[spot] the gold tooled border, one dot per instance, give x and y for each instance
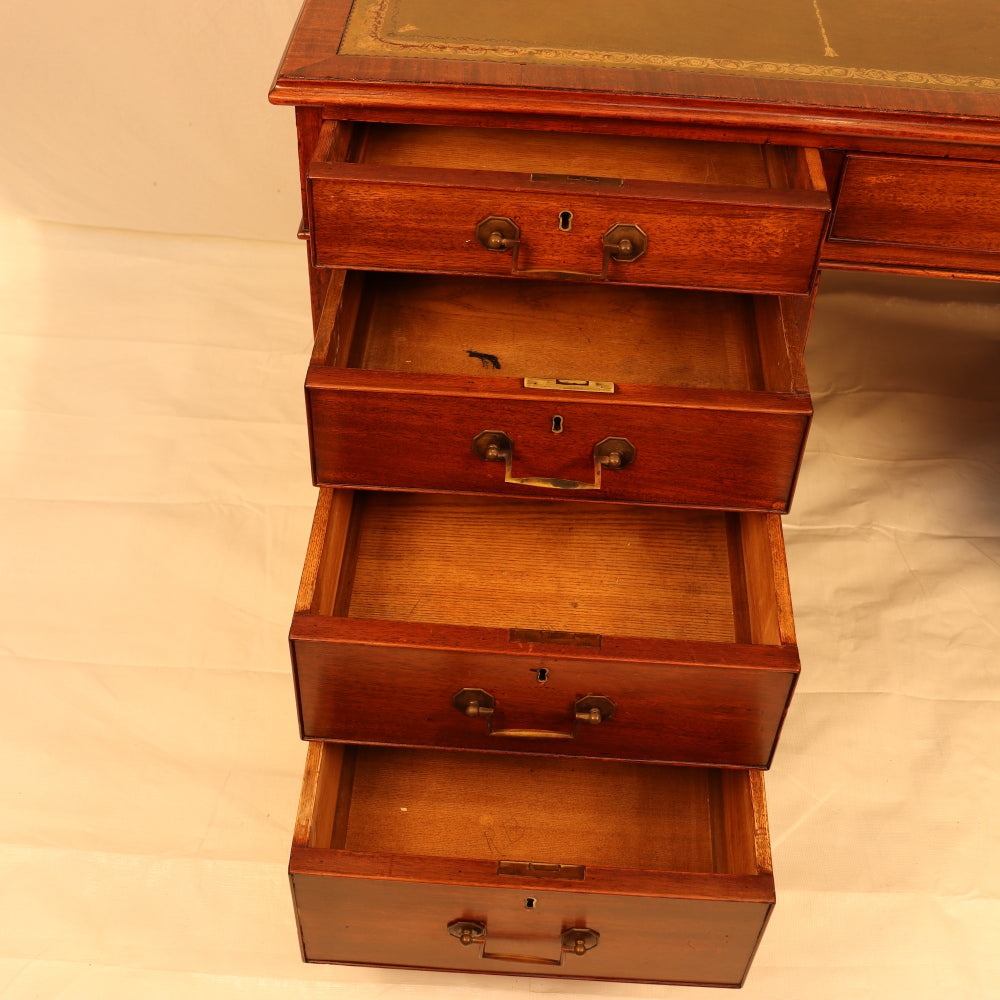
(364, 35)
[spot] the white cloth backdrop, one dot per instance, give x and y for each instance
(154, 506)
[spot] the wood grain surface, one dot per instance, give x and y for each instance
(697, 651)
(929, 215)
(709, 388)
(642, 336)
(545, 810)
(647, 571)
(744, 224)
(580, 153)
(679, 921)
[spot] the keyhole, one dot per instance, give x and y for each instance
(543, 674)
(565, 221)
(557, 424)
(529, 903)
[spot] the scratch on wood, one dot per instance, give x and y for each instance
(828, 48)
(487, 359)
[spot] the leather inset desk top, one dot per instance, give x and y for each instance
(905, 43)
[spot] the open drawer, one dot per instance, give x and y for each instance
(627, 632)
(559, 390)
(545, 204)
(528, 866)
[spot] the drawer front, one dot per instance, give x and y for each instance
(636, 633)
(929, 214)
(365, 921)
(539, 695)
(734, 450)
(410, 219)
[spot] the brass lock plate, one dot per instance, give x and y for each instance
(579, 179)
(569, 384)
(535, 869)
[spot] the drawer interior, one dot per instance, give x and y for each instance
(547, 811)
(575, 155)
(493, 327)
(652, 572)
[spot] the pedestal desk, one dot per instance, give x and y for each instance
(562, 259)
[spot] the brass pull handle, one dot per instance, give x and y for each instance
(496, 446)
(622, 243)
(573, 941)
(478, 704)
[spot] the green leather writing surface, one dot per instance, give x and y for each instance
(901, 43)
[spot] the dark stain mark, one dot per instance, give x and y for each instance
(486, 359)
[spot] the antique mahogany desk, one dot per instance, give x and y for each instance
(562, 260)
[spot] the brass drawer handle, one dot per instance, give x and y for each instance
(622, 243)
(573, 941)
(496, 446)
(478, 704)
